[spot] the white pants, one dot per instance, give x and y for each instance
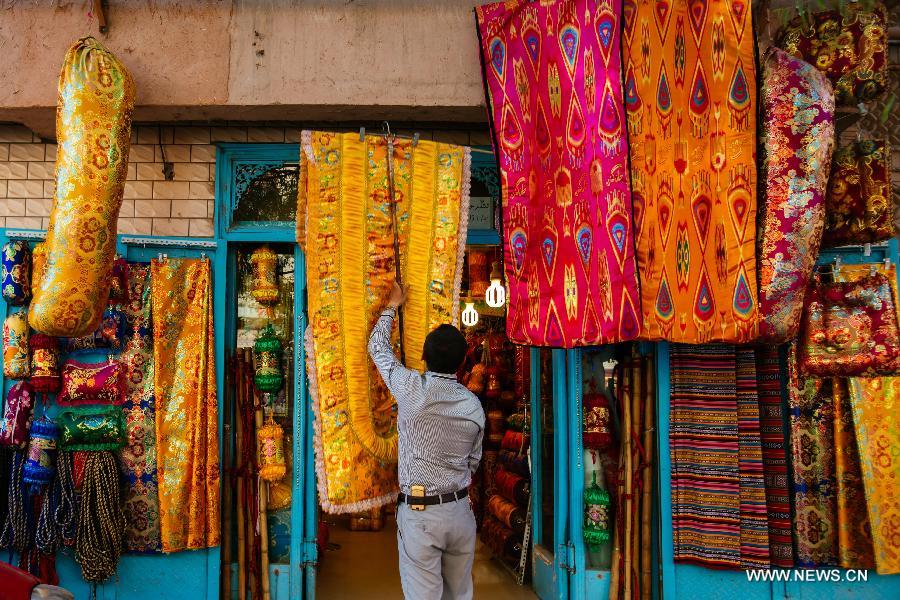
(437, 547)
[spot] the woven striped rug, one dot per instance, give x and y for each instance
(754, 519)
(704, 444)
(774, 454)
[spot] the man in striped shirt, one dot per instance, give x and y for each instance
(441, 426)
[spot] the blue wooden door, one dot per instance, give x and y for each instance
(549, 477)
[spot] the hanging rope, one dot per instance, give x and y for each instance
(47, 539)
(15, 530)
(67, 508)
(101, 522)
(6, 455)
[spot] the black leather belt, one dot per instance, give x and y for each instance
(431, 500)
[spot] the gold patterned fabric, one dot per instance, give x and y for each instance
(93, 131)
(347, 233)
(876, 405)
(184, 386)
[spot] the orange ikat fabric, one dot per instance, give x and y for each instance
(690, 98)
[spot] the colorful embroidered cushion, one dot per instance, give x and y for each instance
(797, 140)
(851, 49)
(16, 275)
(16, 364)
(850, 326)
(860, 201)
(44, 363)
(38, 264)
(110, 335)
(91, 383)
(19, 412)
(91, 428)
(553, 73)
(96, 99)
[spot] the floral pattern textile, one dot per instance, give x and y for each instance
(138, 457)
(860, 200)
(851, 49)
(690, 96)
(854, 532)
(553, 73)
(19, 413)
(797, 140)
(876, 405)
(184, 391)
(16, 362)
(15, 278)
(91, 428)
(109, 336)
(812, 461)
(84, 383)
(348, 238)
(850, 326)
(93, 130)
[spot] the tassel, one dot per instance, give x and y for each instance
(65, 513)
(15, 530)
(101, 522)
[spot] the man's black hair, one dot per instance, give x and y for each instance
(445, 349)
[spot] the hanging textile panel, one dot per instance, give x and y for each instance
(348, 239)
(797, 140)
(704, 443)
(774, 453)
(811, 404)
(138, 457)
(690, 95)
(552, 72)
(184, 391)
(854, 532)
(754, 520)
(875, 404)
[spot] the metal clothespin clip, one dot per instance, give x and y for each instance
(362, 134)
(159, 257)
(887, 263)
(203, 255)
(867, 250)
(837, 264)
(415, 141)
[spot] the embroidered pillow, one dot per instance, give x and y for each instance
(91, 428)
(797, 140)
(91, 383)
(851, 50)
(16, 275)
(16, 363)
(19, 412)
(110, 335)
(860, 201)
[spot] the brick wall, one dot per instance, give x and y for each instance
(151, 205)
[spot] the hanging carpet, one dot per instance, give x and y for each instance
(553, 72)
(184, 389)
(347, 235)
(690, 98)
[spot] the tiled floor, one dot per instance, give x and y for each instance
(365, 567)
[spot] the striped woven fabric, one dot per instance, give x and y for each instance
(703, 437)
(774, 455)
(754, 520)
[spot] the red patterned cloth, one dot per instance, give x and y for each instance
(860, 201)
(797, 140)
(851, 49)
(553, 73)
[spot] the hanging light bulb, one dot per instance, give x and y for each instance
(495, 296)
(469, 314)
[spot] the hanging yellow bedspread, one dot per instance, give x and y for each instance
(345, 226)
(187, 416)
(876, 404)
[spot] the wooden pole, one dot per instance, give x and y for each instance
(263, 501)
(646, 506)
(616, 559)
(637, 460)
(239, 445)
(626, 440)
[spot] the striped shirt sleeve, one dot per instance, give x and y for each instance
(398, 378)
